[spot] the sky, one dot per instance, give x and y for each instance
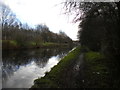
(49, 12)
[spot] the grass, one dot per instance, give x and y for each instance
(96, 71)
(9, 44)
(12, 44)
(48, 43)
(51, 44)
(93, 56)
(32, 43)
(55, 78)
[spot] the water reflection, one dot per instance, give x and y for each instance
(21, 68)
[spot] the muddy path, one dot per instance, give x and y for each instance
(71, 76)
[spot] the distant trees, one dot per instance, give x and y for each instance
(23, 36)
(13, 29)
(63, 37)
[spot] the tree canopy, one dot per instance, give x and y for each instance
(99, 28)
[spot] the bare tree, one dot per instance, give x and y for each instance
(7, 15)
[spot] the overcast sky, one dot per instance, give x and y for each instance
(47, 12)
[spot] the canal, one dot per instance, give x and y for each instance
(21, 67)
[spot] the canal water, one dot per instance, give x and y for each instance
(20, 68)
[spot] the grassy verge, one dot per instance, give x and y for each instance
(99, 71)
(12, 44)
(96, 70)
(50, 44)
(9, 44)
(56, 77)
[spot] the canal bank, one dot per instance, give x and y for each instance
(14, 45)
(81, 68)
(60, 75)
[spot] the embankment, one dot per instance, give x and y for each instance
(60, 74)
(81, 68)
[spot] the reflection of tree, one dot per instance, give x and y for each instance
(12, 60)
(8, 70)
(41, 62)
(41, 59)
(62, 55)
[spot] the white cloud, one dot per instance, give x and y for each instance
(44, 11)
